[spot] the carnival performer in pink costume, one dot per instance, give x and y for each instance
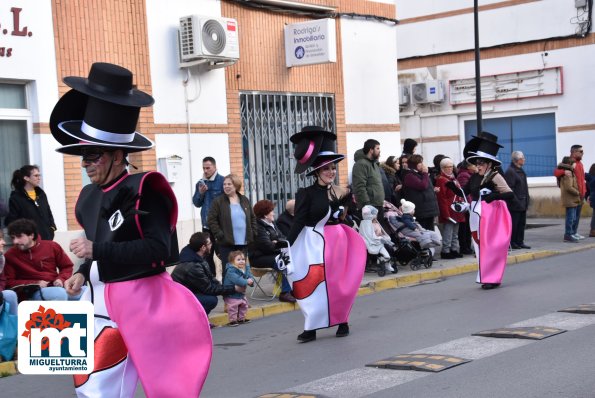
(328, 257)
(489, 219)
(146, 325)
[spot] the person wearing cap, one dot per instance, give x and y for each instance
(129, 222)
(328, 257)
(409, 146)
(488, 190)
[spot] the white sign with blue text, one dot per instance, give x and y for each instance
(309, 43)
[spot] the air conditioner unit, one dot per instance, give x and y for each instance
(427, 92)
(403, 95)
(208, 38)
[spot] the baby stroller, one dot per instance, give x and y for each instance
(408, 250)
(378, 243)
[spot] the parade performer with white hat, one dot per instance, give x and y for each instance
(489, 219)
(328, 257)
(146, 325)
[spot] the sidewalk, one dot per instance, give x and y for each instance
(544, 235)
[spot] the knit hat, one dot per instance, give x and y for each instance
(407, 207)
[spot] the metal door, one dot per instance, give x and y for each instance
(268, 120)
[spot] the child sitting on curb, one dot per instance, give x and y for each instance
(237, 272)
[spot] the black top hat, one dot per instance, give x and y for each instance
(308, 143)
(483, 146)
(101, 110)
(326, 155)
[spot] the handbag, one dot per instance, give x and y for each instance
(8, 332)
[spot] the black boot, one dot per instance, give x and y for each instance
(343, 330)
(307, 335)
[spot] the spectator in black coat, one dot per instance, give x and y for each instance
(194, 272)
(517, 181)
(418, 188)
(285, 220)
(29, 201)
(264, 249)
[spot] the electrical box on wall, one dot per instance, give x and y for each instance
(170, 167)
(580, 3)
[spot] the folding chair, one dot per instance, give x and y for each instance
(259, 273)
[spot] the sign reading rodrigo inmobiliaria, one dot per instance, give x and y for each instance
(308, 43)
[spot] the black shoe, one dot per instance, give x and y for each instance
(307, 336)
(489, 286)
(456, 254)
(524, 246)
(467, 251)
(244, 321)
(447, 256)
(514, 246)
(343, 330)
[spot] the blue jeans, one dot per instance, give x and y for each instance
(11, 298)
(577, 217)
(571, 221)
(55, 293)
(207, 302)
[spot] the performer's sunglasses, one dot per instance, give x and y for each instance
(92, 156)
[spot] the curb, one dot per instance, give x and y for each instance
(398, 281)
(10, 368)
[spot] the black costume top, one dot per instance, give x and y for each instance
(131, 222)
(312, 205)
(20, 205)
(478, 182)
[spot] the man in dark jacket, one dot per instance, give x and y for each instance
(194, 272)
(365, 177)
(517, 181)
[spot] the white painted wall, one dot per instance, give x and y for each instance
(390, 145)
(201, 145)
(33, 58)
(369, 72)
(206, 88)
(523, 22)
(417, 8)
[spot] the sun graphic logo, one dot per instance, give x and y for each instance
(56, 337)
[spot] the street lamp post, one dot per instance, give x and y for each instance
(477, 69)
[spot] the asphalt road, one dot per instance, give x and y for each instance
(438, 318)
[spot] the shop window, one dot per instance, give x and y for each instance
(534, 135)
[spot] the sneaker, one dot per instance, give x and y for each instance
(578, 236)
(241, 321)
(570, 238)
(233, 324)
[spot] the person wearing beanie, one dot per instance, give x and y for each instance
(406, 224)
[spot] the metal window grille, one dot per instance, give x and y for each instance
(267, 122)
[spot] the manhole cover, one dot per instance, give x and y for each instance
(580, 309)
(419, 362)
(532, 332)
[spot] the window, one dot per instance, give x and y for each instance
(14, 150)
(534, 135)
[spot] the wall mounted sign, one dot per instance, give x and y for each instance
(308, 43)
(508, 86)
(10, 25)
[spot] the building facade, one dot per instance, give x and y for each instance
(537, 58)
(242, 114)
